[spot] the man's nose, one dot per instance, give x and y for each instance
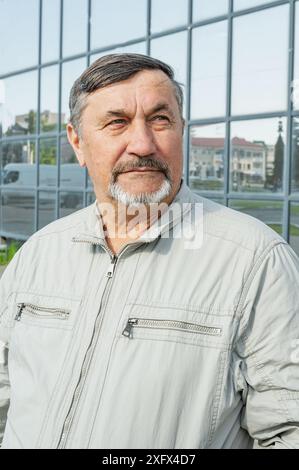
(141, 140)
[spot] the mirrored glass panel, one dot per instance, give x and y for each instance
(260, 65)
(18, 104)
(72, 175)
(46, 208)
(206, 166)
(218, 200)
(48, 162)
(18, 213)
(172, 49)
(70, 202)
(168, 14)
(19, 27)
(49, 99)
(208, 80)
(257, 155)
(295, 95)
(18, 164)
(108, 25)
(70, 72)
(74, 38)
(295, 157)
(204, 9)
(269, 212)
(50, 30)
(294, 226)
(138, 48)
(242, 4)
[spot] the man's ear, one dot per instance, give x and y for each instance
(76, 142)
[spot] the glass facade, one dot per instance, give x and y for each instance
(241, 84)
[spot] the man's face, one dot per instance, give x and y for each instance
(131, 136)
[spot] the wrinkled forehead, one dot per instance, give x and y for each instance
(145, 88)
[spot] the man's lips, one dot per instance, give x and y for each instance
(141, 170)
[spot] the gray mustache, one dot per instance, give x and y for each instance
(147, 162)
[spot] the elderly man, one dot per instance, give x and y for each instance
(120, 331)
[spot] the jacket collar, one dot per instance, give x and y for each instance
(92, 230)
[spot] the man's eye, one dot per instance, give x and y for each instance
(161, 118)
(117, 121)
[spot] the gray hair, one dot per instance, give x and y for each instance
(110, 69)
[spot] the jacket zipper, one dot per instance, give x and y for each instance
(169, 325)
(37, 311)
(88, 357)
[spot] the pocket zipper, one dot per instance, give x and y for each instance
(45, 312)
(169, 325)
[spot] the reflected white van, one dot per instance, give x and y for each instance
(23, 175)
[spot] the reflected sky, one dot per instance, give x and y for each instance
(260, 65)
(138, 48)
(50, 30)
(19, 96)
(177, 14)
(70, 72)
(172, 49)
(18, 36)
(209, 59)
(74, 27)
(204, 9)
(242, 4)
(49, 98)
(108, 25)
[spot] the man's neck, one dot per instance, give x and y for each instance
(125, 224)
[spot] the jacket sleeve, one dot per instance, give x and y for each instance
(7, 288)
(268, 346)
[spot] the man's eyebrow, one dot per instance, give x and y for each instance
(162, 107)
(121, 112)
(114, 113)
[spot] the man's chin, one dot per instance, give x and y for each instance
(145, 194)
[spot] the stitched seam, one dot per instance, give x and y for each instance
(247, 283)
(72, 299)
(221, 237)
(224, 347)
(217, 396)
(191, 308)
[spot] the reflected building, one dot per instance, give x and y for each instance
(206, 157)
(248, 162)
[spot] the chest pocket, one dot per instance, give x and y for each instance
(45, 311)
(178, 325)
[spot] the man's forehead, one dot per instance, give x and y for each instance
(145, 84)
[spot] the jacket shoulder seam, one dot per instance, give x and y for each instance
(253, 271)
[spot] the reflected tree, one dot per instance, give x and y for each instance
(278, 160)
(47, 153)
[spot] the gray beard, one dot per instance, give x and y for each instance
(117, 193)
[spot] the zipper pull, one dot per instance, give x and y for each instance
(111, 267)
(19, 313)
(128, 329)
